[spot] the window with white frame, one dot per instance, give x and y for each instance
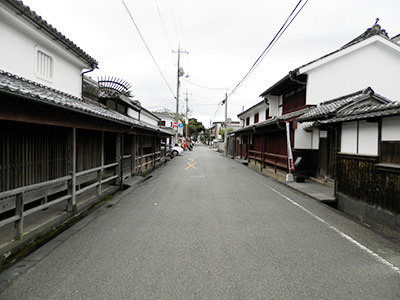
(44, 68)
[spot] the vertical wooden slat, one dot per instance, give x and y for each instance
(118, 158)
(19, 211)
(72, 165)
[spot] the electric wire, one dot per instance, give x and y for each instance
(163, 24)
(283, 31)
(174, 21)
(277, 36)
(203, 87)
(283, 28)
(148, 49)
(180, 22)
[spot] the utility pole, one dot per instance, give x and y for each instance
(179, 74)
(186, 114)
(226, 126)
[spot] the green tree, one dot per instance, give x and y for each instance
(194, 128)
(205, 137)
(222, 132)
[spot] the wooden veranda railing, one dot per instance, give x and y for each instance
(14, 203)
(147, 161)
(276, 160)
(51, 193)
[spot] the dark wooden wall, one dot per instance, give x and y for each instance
(31, 153)
(361, 178)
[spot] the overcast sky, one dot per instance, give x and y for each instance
(223, 37)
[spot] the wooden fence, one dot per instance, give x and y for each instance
(275, 160)
(365, 179)
(18, 203)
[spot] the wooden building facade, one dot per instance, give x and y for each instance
(55, 148)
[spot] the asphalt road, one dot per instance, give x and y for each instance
(207, 227)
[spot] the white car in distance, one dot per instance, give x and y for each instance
(175, 150)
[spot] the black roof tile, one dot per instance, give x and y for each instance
(18, 86)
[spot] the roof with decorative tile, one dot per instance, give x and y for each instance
(298, 76)
(374, 31)
(331, 108)
(20, 87)
(24, 11)
(367, 112)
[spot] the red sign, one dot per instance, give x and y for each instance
(175, 124)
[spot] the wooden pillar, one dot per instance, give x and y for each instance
(19, 211)
(134, 149)
(71, 206)
(154, 152)
(141, 152)
(118, 154)
(100, 172)
(262, 152)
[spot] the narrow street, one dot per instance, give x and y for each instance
(207, 227)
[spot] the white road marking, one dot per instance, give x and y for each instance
(341, 233)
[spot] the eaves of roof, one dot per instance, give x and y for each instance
(331, 108)
(350, 47)
(24, 11)
(287, 83)
(298, 76)
(249, 109)
(368, 112)
(274, 120)
(20, 87)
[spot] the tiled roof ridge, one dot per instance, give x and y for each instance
(370, 32)
(30, 89)
(45, 87)
(370, 108)
(332, 107)
(366, 91)
(376, 29)
(34, 17)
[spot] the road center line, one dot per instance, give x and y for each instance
(341, 233)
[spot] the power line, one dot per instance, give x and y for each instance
(174, 21)
(163, 23)
(180, 22)
(204, 87)
(277, 36)
(283, 31)
(148, 49)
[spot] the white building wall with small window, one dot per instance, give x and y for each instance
(360, 137)
(30, 54)
(260, 109)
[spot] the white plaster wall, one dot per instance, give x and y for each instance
(148, 118)
(391, 129)
(260, 108)
(133, 113)
(374, 65)
(368, 138)
(302, 138)
(274, 102)
(349, 137)
(19, 43)
(315, 139)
